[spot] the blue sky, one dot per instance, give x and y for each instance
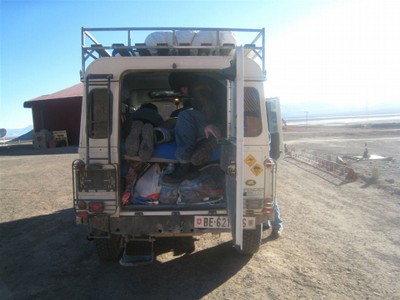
(333, 52)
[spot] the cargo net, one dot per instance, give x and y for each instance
(333, 169)
(111, 42)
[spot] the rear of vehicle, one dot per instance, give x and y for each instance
(123, 76)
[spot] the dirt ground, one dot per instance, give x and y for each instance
(340, 241)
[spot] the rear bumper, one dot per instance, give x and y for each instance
(155, 226)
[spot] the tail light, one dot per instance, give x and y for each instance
(267, 210)
(82, 205)
(268, 205)
(269, 163)
(82, 214)
(96, 207)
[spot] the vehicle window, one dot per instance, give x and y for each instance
(99, 111)
(252, 114)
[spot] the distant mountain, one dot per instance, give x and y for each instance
(25, 137)
(318, 110)
(19, 131)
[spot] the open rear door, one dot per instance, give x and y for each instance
(232, 161)
(275, 127)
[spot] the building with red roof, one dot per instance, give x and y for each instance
(58, 111)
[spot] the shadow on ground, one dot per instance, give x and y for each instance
(48, 257)
(28, 149)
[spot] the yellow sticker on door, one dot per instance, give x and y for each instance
(250, 160)
(257, 169)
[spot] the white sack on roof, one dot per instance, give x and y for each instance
(181, 37)
(184, 36)
(210, 37)
(155, 38)
(190, 37)
(225, 37)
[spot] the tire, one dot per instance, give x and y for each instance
(187, 244)
(251, 240)
(108, 249)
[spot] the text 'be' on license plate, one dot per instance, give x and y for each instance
(221, 222)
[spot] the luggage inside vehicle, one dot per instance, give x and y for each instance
(149, 189)
(207, 188)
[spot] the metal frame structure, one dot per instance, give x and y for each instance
(93, 49)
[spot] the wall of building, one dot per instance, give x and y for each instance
(58, 114)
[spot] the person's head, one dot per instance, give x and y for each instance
(180, 81)
(200, 88)
(186, 103)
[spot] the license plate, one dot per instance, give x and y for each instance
(221, 222)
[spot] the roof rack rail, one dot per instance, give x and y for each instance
(176, 41)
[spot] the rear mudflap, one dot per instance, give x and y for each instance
(138, 252)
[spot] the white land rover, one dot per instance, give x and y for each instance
(122, 199)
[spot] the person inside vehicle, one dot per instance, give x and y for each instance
(140, 140)
(186, 104)
(198, 129)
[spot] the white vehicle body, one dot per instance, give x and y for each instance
(130, 76)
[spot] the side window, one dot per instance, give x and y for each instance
(99, 112)
(252, 113)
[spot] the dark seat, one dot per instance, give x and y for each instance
(162, 51)
(184, 52)
(100, 50)
(204, 52)
(121, 51)
(141, 48)
(227, 49)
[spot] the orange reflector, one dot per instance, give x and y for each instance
(96, 206)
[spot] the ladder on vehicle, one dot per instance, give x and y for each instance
(99, 80)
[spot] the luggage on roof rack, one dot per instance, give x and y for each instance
(167, 41)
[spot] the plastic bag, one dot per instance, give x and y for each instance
(148, 186)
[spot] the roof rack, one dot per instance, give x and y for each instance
(170, 41)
